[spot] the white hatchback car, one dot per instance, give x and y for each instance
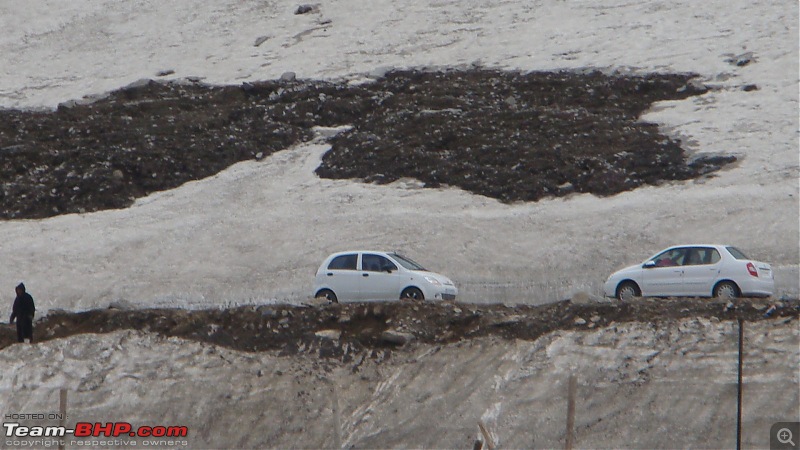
(378, 276)
(693, 271)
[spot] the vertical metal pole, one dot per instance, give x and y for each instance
(62, 411)
(571, 412)
(739, 391)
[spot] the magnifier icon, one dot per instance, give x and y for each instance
(785, 436)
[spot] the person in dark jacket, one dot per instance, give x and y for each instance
(23, 311)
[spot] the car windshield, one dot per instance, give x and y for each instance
(405, 262)
(736, 253)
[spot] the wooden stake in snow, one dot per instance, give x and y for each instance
(62, 413)
(739, 387)
(487, 437)
(337, 421)
(571, 412)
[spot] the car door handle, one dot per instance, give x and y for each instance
(330, 274)
(364, 274)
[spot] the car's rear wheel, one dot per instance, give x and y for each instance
(627, 291)
(726, 290)
(411, 293)
(327, 294)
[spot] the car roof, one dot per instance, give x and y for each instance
(699, 245)
(347, 252)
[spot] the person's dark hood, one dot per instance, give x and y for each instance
(21, 286)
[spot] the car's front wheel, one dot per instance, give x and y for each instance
(726, 290)
(412, 293)
(327, 294)
(627, 291)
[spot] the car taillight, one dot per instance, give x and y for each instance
(752, 269)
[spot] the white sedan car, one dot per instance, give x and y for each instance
(693, 271)
(378, 276)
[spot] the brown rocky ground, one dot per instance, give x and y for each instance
(508, 135)
(347, 332)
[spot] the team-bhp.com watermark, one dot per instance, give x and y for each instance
(87, 434)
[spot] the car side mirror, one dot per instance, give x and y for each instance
(387, 269)
(649, 265)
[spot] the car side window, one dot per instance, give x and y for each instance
(736, 253)
(694, 257)
(387, 265)
(376, 263)
(344, 262)
(701, 256)
(707, 255)
(669, 258)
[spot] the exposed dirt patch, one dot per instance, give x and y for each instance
(515, 136)
(347, 332)
(510, 136)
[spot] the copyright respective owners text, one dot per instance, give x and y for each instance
(784, 436)
(48, 430)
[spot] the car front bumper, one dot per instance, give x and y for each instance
(443, 292)
(610, 288)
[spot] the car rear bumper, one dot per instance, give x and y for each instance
(757, 287)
